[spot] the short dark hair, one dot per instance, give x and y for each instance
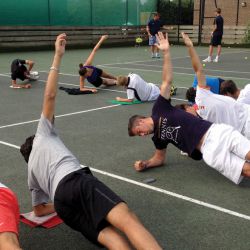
(218, 10)
(191, 94)
(82, 71)
(133, 121)
(228, 86)
(26, 148)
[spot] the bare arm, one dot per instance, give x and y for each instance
(44, 209)
(148, 31)
(30, 64)
(196, 63)
(92, 54)
(51, 85)
(21, 86)
(120, 99)
(155, 161)
(82, 86)
(167, 70)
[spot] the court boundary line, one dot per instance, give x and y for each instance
(179, 57)
(62, 115)
(159, 190)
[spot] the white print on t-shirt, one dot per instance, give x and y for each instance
(168, 132)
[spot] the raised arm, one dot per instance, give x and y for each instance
(92, 54)
(51, 85)
(196, 63)
(167, 70)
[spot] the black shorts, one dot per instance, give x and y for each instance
(83, 202)
(98, 80)
(216, 40)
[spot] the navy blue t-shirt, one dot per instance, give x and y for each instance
(176, 126)
(154, 26)
(219, 25)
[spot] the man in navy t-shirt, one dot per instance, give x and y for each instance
(216, 37)
(220, 145)
(153, 27)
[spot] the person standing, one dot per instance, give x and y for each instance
(216, 37)
(154, 25)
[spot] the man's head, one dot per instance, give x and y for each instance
(157, 16)
(26, 148)
(218, 11)
(191, 94)
(140, 125)
(188, 108)
(122, 80)
(229, 88)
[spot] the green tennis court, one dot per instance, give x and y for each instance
(189, 206)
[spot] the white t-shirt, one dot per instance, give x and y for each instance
(244, 96)
(146, 91)
(2, 186)
(221, 109)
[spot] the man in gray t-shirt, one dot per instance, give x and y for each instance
(81, 200)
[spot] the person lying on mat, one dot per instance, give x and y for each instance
(221, 146)
(20, 71)
(137, 88)
(81, 200)
(9, 219)
(94, 75)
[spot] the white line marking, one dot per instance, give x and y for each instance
(176, 73)
(160, 190)
(227, 71)
(63, 115)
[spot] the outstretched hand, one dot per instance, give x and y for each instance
(163, 43)
(187, 40)
(60, 44)
(104, 37)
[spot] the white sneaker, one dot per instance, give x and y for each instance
(157, 55)
(208, 59)
(216, 59)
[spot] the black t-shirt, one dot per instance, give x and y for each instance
(176, 126)
(154, 26)
(219, 25)
(17, 69)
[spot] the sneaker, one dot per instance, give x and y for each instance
(208, 59)
(153, 56)
(216, 59)
(157, 55)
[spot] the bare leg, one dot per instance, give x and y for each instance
(9, 241)
(127, 222)
(106, 75)
(211, 48)
(109, 82)
(111, 239)
(218, 50)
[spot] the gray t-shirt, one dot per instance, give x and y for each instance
(49, 162)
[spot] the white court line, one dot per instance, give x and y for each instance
(174, 58)
(58, 116)
(176, 73)
(226, 71)
(159, 190)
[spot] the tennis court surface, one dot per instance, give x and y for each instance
(189, 206)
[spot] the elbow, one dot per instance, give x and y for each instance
(50, 96)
